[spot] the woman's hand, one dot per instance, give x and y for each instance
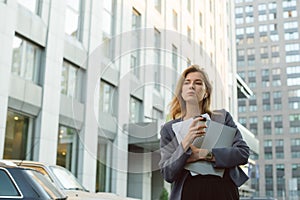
(197, 129)
(197, 154)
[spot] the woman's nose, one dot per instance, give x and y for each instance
(191, 85)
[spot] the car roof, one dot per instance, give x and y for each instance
(7, 163)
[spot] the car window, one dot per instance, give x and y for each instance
(8, 187)
(66, 178)
(40, 169)
(49, 187)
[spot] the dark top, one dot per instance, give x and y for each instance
(173, 157)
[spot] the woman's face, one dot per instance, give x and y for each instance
(193, 88)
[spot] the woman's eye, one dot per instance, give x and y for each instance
(199, 83)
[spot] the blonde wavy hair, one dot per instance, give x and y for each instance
(178, 106)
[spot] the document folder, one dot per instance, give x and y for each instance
(217, 136)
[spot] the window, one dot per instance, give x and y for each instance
(292, 47)
(267, 125)
(26, 59)
(274, 37)
(276, 72)
(290, 25)
(241, 52)
(290, 14)
(279, 148)
(294, 192)
(135, 110)
(67, 148)
(106, 100)
(157, 5)
(273, 27)
(18, 136)
(239, 10)
(250, 52)
(272, 16)
(249, 9)
(276, 82)
(175, 22)
(200, 19)
(243, 121)
(272, 5)
(103, 176)
(136, 19)
(250, 30)
(70, 80)
(249, 19)
(188, 5)
(263, 28)
(294, 99)
(239, 31)
(8, 188)
(32, 5)
(135, 55)
(157, 59)
(280, 180)
(293, 35)
(157, 114)
(294, 120)
(269, 180)
(134, 63)
(262, 17)
(268, 149)
(288, 3)
(293, 70)
(241, 109)
(278, 124)
(253, 125)
(292, 58)
(72, 20)
(201, 48)
(189, 34)
(262, 7)
(107, 16)
(293, 81)
(295, 151)
(188, 62)
(174, 65)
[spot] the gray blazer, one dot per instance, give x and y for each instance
(173, 157)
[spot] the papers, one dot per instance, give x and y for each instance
(217, 135)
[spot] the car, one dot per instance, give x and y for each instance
(67, 182)
(27, 184)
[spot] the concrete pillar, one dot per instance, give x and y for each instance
(7, 12)
(48, 118)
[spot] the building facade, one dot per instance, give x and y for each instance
(268, 59)
(86, 84)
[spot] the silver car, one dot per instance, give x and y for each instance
(67, 182)
(27, 184)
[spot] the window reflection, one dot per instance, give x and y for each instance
(67, 148)
(72, 18)
(69, 78)
(31, 5)
(135, 110)
(26, 59)
(106, 98)
(17, 136)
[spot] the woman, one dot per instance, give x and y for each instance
(193, 98)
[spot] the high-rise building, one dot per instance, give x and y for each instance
(85, 84)
(268, 60)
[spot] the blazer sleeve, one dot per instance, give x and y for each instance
(235, 155)
(173, 156)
